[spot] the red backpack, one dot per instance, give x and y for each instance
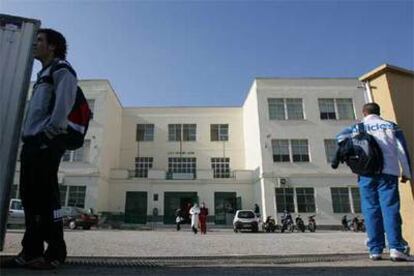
(79, 116)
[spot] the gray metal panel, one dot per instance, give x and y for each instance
(16, 39)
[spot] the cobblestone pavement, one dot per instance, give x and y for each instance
(220, 242)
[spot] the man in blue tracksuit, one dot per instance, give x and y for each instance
(43, 137)
(379, 193)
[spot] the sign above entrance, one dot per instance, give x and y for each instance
(181, 153)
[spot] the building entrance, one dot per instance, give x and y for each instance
(175, 200)
(136, 207)
(225, 206)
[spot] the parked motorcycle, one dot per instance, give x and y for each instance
(287, 224)
(300, 225)
(312, 223)
(269, 225)
(357, 225)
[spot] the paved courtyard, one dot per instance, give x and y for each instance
(220, 242)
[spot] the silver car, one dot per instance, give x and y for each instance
(16, 212)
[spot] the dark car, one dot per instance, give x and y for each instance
(74, 217)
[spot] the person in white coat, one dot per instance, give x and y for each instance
(194, 212)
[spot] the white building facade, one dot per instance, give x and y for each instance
(140, 164)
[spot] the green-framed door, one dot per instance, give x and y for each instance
(225, 205)
(136, 207)
(175, 200)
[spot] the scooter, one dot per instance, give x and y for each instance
(312, 223)
(287, 224)
(300, 225)
(269, 225)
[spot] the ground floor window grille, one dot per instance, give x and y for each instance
(182, 165)
(142, 165)
(340, 200)
(346, 200)
(63, 192)
(14, 193)
(285, 200)
(221, 167)
(305, 198)
(76, 197)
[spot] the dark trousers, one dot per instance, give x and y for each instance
(40, 196)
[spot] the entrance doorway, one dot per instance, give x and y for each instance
(225, 206)
(175, 200)
(136, 207)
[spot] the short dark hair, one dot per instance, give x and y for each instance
(371, 108)
(57, 39)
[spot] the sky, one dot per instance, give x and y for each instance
(208, 53)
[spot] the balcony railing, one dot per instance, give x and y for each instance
(165, 175)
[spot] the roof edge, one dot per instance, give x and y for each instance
(384, 68)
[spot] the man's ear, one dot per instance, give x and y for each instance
(52, 48)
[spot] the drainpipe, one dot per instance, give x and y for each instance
(368, 93)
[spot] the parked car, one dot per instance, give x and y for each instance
(245, 219)
(16, 212)
(74, 217)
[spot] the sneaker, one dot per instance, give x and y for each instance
(41, 264)
(375, 257)
(397, 256)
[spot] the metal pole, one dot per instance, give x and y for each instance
(17, 36)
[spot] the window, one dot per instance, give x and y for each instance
(189, 132)
(285, 109)
(340, 200)
(345, 109)
(221, 167)
(276, 109)
(306, 200)
(174, 132)
(280, 150)
(294, 109)
(63, 191)
(142, 164)
(182, 165)
(332, 109)
(145, 132)
(284, 200)
(79, 155)
(300, 150)
(219, 132)
(77, 196)
(14, 193)
(356, 200)
(330, 149)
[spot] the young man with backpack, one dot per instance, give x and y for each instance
(46, 132)
(378, 172)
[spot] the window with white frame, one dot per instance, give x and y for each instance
(330, 149)
(142, 165)
(76, 197)
(174, 132)
(219, 132)
(280, 149)
(305, 198)
(145, 132)
(285, 109)
(285, 200)
(189, 132)
(304, 203)
(182, 165)
(63, 190)
(221, 167)
(300, 150)
(79, 155)
(336, 109)
(340, 200)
